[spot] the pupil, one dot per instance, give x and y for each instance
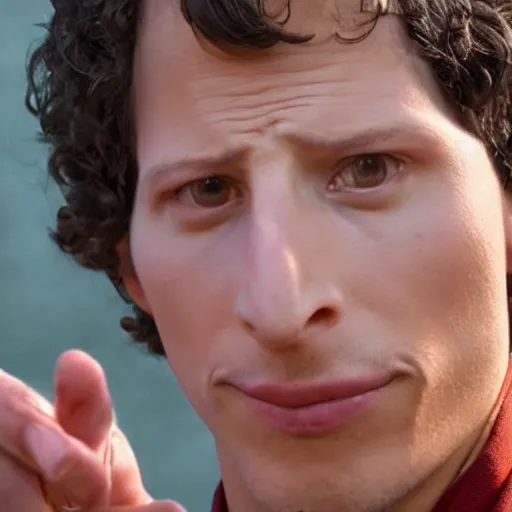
(370, 171)
(212, 187)
(369, 166)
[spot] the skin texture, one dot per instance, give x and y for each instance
(291, 273)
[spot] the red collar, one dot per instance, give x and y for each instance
(219, 500)
(487, 484)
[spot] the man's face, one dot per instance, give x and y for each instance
(315, 214)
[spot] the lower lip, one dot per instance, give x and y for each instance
(313, 420)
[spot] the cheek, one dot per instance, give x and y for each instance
(447, 301)
(455, 264)
(187, 284)
(461, 264)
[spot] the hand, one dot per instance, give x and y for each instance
(47, 453)
(155, 506)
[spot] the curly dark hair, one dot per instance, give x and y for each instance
(79, 88)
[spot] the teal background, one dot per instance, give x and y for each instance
(49, 304)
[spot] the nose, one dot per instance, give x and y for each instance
(289, 289)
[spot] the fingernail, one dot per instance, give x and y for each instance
(48, 449)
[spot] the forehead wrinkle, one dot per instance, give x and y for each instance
(401, 130)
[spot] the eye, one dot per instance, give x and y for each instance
(211, 192)
(365, 172)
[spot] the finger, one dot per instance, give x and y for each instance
(29, 434)
(66, 464)
(127, 486)
(83, 406)
(84, 410)
(19, 407)
(19, 489)
(155, 506)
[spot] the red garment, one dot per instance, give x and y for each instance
(486, 486)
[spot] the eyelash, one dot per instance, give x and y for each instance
(345, 163)
(341, 166)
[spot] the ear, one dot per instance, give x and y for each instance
(129, 275)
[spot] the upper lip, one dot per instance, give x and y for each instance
(304, 394)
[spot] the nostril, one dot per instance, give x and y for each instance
(325, 316)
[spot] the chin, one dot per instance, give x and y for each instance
(321, 476)
(322, 493)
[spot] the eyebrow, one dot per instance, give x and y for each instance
(198, 163)
(363, 140)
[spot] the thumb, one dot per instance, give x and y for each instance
(83, 408)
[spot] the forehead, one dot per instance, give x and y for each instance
(191, 95)
(164, 35)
